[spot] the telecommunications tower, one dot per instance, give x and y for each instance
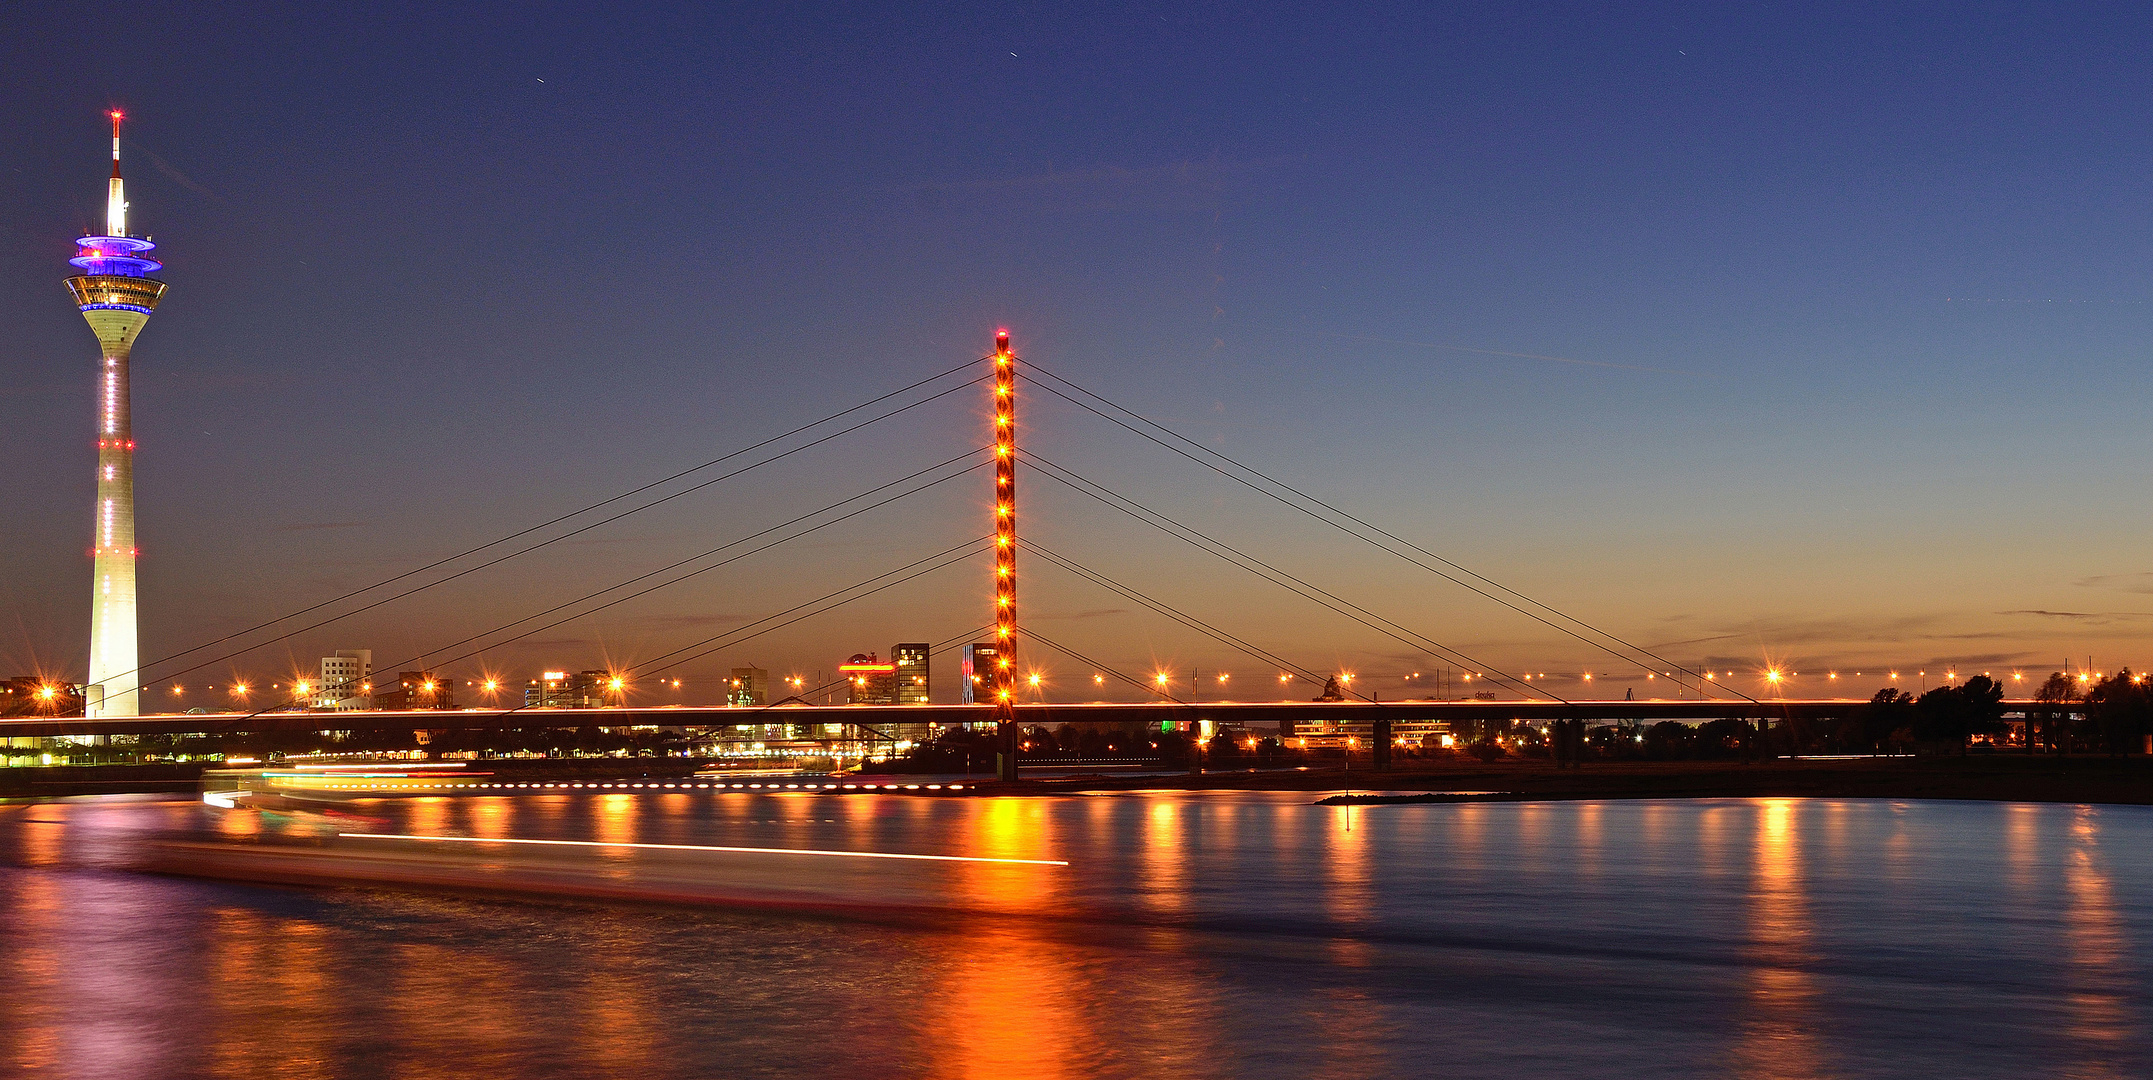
(116, 294)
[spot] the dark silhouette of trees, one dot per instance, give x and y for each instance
(1953, 714)
(1885, 723)
(2120, 712)
(2055, 723)
(1670, 740)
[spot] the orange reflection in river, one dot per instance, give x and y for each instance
(1779, 1037)
(2098, 1005)
(1009, 1000)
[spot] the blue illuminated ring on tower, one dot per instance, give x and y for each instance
(115, 256)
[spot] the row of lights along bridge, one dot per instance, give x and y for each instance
(863, 679)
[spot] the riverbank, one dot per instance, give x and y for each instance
(2003, 777)
(1999, 777)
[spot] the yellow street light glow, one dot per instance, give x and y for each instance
(299, 687)
(45, 692)
(492, 685)
(1223, 676)
(1035, 680)
(1100, 679)
(618, 682)
(1162, 678)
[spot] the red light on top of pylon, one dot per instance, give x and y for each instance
(1001, 342)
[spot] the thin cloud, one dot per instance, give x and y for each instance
(2140, 582)
(693, 620)
(311, 526)
(2096, 617)
(176, 176)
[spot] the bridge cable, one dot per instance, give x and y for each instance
(1116, 672)
(675, 581)
(785, 539)
(523, 551)
(1035, 367)
(1182, 617)
(980, 548)
(1290, 582)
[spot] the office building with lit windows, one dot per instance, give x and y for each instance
(748, 687)
(911, 660)
(869, 679)
(417, 690)
(978, 665)
(346, 681)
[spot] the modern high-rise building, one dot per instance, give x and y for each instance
(116, 294)
(417, 690)
(870, 679)
(749, 686)
(911, 660)
(574, 690)
(347, 680)
(979, 664)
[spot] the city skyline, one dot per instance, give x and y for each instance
(1794, 431)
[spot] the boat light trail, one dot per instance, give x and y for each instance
(700, 847)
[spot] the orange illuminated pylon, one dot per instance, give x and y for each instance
(1005, 557)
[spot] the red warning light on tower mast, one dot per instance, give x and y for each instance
(1001, 342)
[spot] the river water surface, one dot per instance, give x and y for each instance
(1190, 934)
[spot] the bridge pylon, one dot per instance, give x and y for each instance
(1005, 558)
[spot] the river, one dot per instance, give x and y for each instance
(1231, 934)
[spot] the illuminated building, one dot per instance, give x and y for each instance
(749, 686)
(978, 664)
(571, 690)
(870, 679)
(417, 690)
(346, 680)
(911, 660)
(115, 294)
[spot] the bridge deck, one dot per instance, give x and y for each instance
(1252, 714)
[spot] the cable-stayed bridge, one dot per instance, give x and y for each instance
(1010, 702)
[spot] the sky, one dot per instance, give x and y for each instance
(1810, 338)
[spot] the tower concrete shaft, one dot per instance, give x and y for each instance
(1005, 557)
(115, 294)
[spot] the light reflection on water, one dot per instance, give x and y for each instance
(1223, 934)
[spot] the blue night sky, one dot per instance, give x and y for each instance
(1752, 334)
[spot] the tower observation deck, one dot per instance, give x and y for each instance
(116, 294)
